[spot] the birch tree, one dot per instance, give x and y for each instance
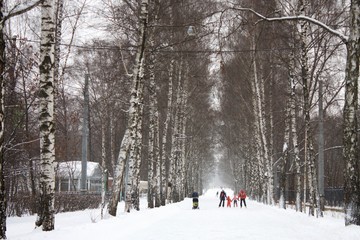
(132, 197)
(259, 169)
(132, 135)
(46, 216)
(157, 175)
(164, 155)
(350, 138)
(3, 202)
(4, 16)
(103, 165)
(175, 144)
(258, 95)
(127, 150)
(183, 136)
(285, 157)
(150, 175)
(271, 169)
(152, 132)
(119, 173)
(154, 165)
(59, 13)
(306, 83)
(352, 173)
(295, 135)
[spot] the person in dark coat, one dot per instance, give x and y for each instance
(222, 198)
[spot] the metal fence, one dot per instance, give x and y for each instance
(64, 202)
(334, 197)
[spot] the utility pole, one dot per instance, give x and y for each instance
(85, 135)
(321, 149)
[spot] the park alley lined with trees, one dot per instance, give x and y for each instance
(255, 95)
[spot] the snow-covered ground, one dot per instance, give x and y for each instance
(179, 222)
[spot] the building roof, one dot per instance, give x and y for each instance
(73, 169)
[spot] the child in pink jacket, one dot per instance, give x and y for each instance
(228, 201)
(235, 199)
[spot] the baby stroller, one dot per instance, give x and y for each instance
(195, 198)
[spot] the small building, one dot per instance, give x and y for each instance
(68, 176)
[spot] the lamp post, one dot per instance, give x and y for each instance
(321, 150)
(85, 135)
(191, 31)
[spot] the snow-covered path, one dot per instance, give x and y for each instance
(179, 222)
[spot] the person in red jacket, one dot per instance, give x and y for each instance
(229, 200)
(242, 197)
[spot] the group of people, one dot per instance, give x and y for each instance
(237, 197)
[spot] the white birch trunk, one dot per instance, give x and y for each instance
(103, 168)
(272, 168)
(150, 175)
(164, 156)
(183, 138)
(352, 178)
(151, 147)
(46, 217)
(3, 203)
(135, 114)
(258, 166)
(134, 176)
(127, 149)
(263, 131)
(285, 156)
(260, 138)
(134, 139)
(154, 95)
(271, 141)
(175, 145)
(154, 154)
(58, 26)
(112, 141)
(131, 185)
(295, 135)
(157, 176)
(310, 156)
(172, 168)
(119, 173)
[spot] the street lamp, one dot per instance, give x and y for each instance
(321, 150)
(191, 31)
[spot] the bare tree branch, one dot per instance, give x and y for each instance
(20, 9)
(297, 18)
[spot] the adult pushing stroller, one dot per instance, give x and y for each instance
(195, 198)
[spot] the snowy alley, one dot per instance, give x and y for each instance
(178, 222)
